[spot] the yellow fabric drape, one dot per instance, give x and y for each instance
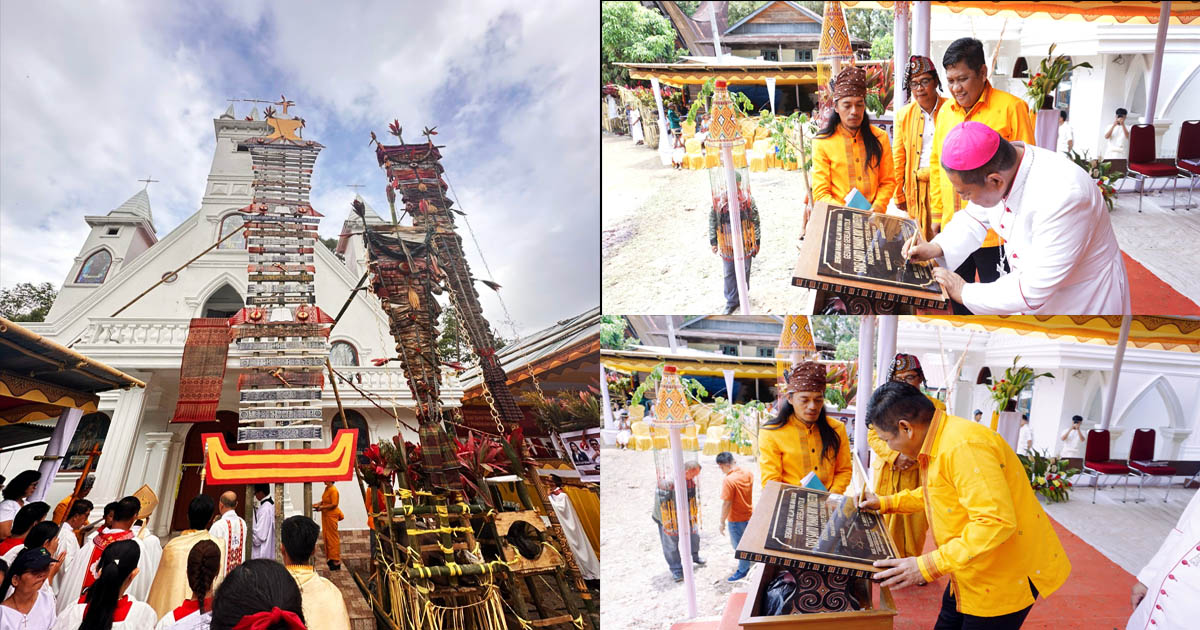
(992, 535)
(789, 452)
(1003, 112)
(840, 163)
(587, 506)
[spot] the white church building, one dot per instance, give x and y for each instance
(1156, 389)
(122, 257)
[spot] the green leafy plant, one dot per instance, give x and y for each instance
(784, 132)
(691, 387)
(1101, 171)
(1048, 476)
(1016, 379)
(741, 433)
(632, 33)
(1051, 71)
(565, 411)
(703, 100)
(841, 384)
(881, 87)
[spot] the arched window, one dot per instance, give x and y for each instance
(95, 268)
(90, 433)
(230, 223)
(343, 353)
(225, 302)
(356, 421)
(1021, 69)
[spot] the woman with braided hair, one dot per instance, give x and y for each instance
(105, 604)
(203, 567)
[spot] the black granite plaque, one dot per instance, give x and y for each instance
(810, 522)
(866, 246)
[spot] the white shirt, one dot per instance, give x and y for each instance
(926, 138)
(1172, 578)
(1115, 149)
(40, 617)
(140, 617)
(8, 510)
(1064, 136)
(74, 573)
(1023, 438)
(230, 529)
(1072, 446)
(193, 620)
(264, 530)
(1059, 243)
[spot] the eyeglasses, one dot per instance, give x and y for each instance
(922, 84)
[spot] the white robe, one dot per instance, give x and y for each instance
(67, 542)
(230, 529)
(264, 530)
(1172, 578)
(71, 585)
(40, 617)
(581, 545)
(140, 617)
(1059, 243)
(186, 617)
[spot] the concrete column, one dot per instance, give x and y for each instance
(158, 454)
(1160, 44)
(866, 351)
(920, 39)
(664, 151)
(900, 54)
(111, 481)
(610, 422)
(887, 347)
(64, 430)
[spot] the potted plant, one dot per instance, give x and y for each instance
(1014, 381)
(1039, 90)
(740, 101)
(1048, 476)
(881, 85)
(1102, 172)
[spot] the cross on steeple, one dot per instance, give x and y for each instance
(148, 182)
(355, 187)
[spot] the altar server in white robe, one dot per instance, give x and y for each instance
(1058, 239)
(108, 599)
(230, 530)
(195, 612)
(1167, 593)
(84, 567)
(264, 523)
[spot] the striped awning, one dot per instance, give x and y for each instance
(1099, 12)
(743, 367)
(1150, 332)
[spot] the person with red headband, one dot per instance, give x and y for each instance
(1057, 237)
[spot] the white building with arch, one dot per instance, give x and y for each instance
(122, 257)
(1156, 389)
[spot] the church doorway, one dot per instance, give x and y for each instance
(193, 462)
(224, 302)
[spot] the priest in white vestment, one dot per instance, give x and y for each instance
(1058, 239)
(230, 531)
(68, 536)
(170, 587)
(1167, 593)
(322, 602)
(80, 572)
(264, 523)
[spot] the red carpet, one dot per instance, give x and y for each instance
(1151, 296)
(1095, 597)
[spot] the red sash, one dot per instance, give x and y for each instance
(190, 606)
(9, 543)
(101, 542)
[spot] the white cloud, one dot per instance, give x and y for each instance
(114, 92)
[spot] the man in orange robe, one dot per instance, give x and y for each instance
(330, 515)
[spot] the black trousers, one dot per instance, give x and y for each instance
(984, 261)
(950, 619)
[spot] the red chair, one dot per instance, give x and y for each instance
(1095, 459)
(1141, 454)
(1142, 164)
(1187, 155)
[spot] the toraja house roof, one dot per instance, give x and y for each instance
(776, 23)
(568, 350)
(40, 378)
(137, 206)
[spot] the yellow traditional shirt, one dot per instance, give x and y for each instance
(840, 163)
(1001, 111)
(992, 535)
(910, 125)
(789, 452)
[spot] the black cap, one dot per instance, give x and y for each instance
(35, 559)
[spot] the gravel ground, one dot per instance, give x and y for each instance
(639, 592)
(655, 237)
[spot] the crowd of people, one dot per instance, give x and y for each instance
(60, 572)
(932, 471)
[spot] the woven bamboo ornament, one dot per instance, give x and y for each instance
(670, 403)
(835, 38)
(796, 337)
(724, 129)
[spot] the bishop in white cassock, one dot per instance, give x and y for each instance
(1059, 243)
(1167, 592)
(80, 571)
(264, 523)
(230, 531)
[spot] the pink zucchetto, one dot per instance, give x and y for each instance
(969, 145)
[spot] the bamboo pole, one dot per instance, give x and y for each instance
(177, 270)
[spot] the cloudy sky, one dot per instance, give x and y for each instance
(96, 95)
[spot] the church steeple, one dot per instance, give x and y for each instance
(137, 206)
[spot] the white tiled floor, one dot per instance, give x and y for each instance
(1162, 239)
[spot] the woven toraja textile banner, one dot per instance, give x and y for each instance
(202, 370)
(224, 466)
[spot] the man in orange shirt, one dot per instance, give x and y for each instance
(737, 492)
(849, 153)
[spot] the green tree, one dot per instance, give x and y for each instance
(612, 333)
(330, 243)
(739, 10)
(27, 302)
(453, 344)
(632, 33)
(689, 7)
(834, 329)
(847, 350)
(882, 47)
(867, 24)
